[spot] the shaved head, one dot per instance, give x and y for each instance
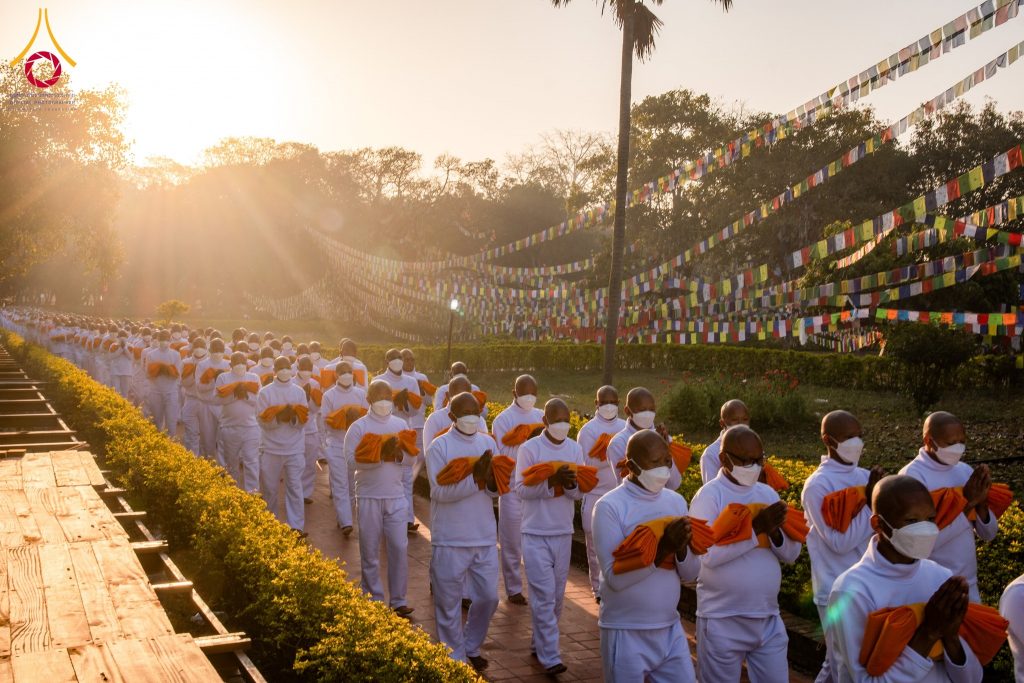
(742, 440)
(525, 384)
(840, 425)
(898, 496)
(457, 385)
(555, 410)
(938, 422)
(379, 391)
(734, 412)
(647, 449)
(607, 394)
(639, 399)
(463, 404)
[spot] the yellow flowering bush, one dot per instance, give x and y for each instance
(306, 619)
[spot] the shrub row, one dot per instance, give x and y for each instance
(306, 619)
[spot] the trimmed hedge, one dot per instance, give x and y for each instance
(306, 620)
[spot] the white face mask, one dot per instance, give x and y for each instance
(526, 401)
(915, 541)
(396, 365)
(468, 424)
(285, 375)
(654, 479)
(348, 358)
(382, 408)
(644, 419)
(165, 345)
(559, 430)
(239, 369)
(287, 346)
(345, 380)
(267, 362)
(950, 455)
(217, 356)
(608, 411)
(851, 449)
(305, 374)
(175, 336)
(147, 339)
(315, 356)
(746, 476)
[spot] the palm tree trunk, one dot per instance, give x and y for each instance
(611, 330)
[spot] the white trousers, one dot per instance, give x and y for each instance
(337, 473)
(312, 454)
(723, 643)
(240, 448)
(164, 407)
(510, 537)
(123, 385)
(384, 519)
(659, 655)
(825, 674)
(453, 572)
(272, 467)
(547, 570)
(409, 474)
(209, 426)
(190, 410)
(593, 564)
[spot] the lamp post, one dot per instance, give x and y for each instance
(452, 307)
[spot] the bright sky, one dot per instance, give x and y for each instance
(475, 78)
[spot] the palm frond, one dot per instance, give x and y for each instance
(560, 3)
(726, 4)
(645, 28)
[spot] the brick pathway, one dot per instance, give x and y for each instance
(510, 658)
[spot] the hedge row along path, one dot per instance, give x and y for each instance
(75, 597)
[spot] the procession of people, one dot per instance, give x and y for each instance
(893, 555)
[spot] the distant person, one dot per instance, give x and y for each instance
(281, 407)
(733, 412)
(235, 391)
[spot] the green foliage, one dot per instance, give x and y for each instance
(307, 621)
(694, 403)
(171, 309)
(927, 358)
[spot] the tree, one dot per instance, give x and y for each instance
(170, 309)
(927, 356)
(639, 27)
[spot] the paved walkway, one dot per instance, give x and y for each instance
(508, 639)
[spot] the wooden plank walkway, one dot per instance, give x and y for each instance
(75, 602)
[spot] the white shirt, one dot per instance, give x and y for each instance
(1011, 606)
(510, 418)
(617, 453)
(711, 460)
(314, 409)
(378, 479)
(544, 514)
(335, 398)
(120, 357)
(832, 553)
(876, 583)
(442, 393)
(437, 421)
(281, 438)
(645, 598)
(955, 548)
(205, 390)
(586, 438)
(168, 357)
(400, 381)
(235, 412)
(416, 419)
(461, 514)
(739, 579)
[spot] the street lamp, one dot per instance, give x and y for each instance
(452, 307)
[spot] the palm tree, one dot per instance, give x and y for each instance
(639, 27)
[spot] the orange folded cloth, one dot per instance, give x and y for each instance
(736, 523)
(503, 467)
(343, 417)
(228, 389)
(107, 343)
(359, 376)
(481, 397)
(113, 346)
(456, 470)
(622, 469)
(520, 433)
(178, 344)
(600, 448)
(316, 395)
(950, 502)
(443, 431)
(96, 342)
(266, 378)
(681, 455)
(188, 369)
(586, 476)
(427, 388)
(327, 377)
(773, 478)
(415, 400)
(137, 352)
(369, 448)
(210, 374)
(999, 498)
(888, 631)
(640, 548)
(840, 507)
(301, 412)
(154, 369)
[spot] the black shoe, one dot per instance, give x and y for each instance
(346, 531)
(411, 527)
(466, 604)
(404, 611)
(478, 662)
(556, 669)
(307, 501)
(517, 599)
(301, 533)
(597, 599)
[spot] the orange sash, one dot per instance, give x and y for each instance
(359, 377)
(96, 342)
(456, 470)
(586, 476)
(503, 467)
(188, 369)
(888, 631)
(341, 419)
(640, 548)
(316, 395)
(107, 343)
(154, 369)
(950, 503)
(228, 389)
(443, 431)
(736, 523)
(327, 377)
(480, 397)
(773, 478)
(178, 344)
(137, 352)
(520, 433)
(210, 374)
(427, 388)
(369, 447)
(266, 378)
(840, 507)
(599, 450)
(301, 412)
(681, 455)
(415, 400)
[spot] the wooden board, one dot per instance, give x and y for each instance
(36, 470)
(10, 474)
(5, 610)
(99, 608)
(138, 609)
(30, 631)
(64, 609)
(51, 666)
(95, 663)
